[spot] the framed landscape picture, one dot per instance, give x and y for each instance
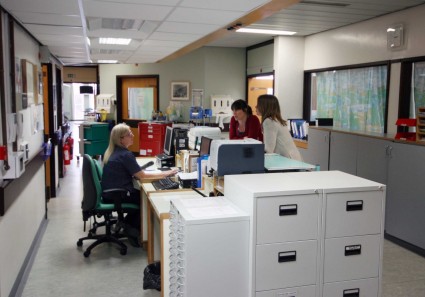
(180, 90)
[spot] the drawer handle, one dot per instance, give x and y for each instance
(289, 256)
(351, 293)
(351, 250)
(288, 210)
(354, 205)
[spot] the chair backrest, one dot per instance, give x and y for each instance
(92, 189)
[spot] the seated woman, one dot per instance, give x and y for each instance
(277, 138)
(120, 168)
(243, 123)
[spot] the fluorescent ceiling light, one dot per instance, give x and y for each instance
(107, 61)
(109, 40)
(264, 31)
(390, 30)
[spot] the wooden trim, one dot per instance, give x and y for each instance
(301, 143)
(10, 190)
(256, 15)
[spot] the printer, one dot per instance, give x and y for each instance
(236, 156)
(197, 132)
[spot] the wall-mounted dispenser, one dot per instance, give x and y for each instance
(17, 166)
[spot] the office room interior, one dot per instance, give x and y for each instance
(34, 177)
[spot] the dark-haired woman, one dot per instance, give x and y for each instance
(243, 123)
(277, 138)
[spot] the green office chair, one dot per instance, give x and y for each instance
(92, 207)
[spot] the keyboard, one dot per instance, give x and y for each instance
(165, 184)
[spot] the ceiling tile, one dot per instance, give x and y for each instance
(203, 16)
(188, 28)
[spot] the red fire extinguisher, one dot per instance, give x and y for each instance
(70, 142)
(66, 155)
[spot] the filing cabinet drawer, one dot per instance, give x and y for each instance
(150, 148)
(357, 288)
(285, 265)
(287, 218)
(307, 291)
(354, 213)
(350, 258)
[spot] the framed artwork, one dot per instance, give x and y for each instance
(180, 90)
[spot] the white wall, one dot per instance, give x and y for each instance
(28, 49)
(289, 75)
(217, 70)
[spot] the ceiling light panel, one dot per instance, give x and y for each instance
(148, 2)
(126, 10)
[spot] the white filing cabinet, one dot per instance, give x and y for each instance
(312, 233)
(208, 248)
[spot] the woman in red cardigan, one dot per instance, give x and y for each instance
(243, 123)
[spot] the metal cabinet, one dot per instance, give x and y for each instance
(318, 148)
(343, 152)
(372, 158)
(312, 233)
(406, 203)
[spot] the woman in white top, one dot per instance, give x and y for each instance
(276, 136)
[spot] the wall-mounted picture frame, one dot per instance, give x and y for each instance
(180, 90)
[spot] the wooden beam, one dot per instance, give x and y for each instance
(256, 15)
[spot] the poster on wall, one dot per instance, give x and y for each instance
(140, 103)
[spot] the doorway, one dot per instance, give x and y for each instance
(137, 97)
(78, 100)
(259, 84)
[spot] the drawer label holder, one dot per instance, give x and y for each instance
(351, 250)
(351, 293)
(354, 205)
(288, 210)
(289, 256)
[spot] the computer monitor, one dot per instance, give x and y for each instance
(168, 141)
(205, 146)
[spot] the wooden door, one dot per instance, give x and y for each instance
(257, 87)
(124, 84)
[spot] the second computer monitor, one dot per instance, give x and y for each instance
(205, 146)
(168, 141)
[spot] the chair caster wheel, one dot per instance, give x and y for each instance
(123, 251)
(86, 254)
(79, 243)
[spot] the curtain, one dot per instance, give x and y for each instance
(354, 98)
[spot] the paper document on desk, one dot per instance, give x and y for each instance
(188, 175)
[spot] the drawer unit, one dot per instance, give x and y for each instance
(353, 213)
(313, 234)
(95, 147)
(287, 218)
(357, 288)
(150, 148)
(151, 138)
(286, 265)
(96, 131)
(94, 138)
(306, 291)
(354, 257)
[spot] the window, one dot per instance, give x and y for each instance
(355, 98)
(418, 88)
